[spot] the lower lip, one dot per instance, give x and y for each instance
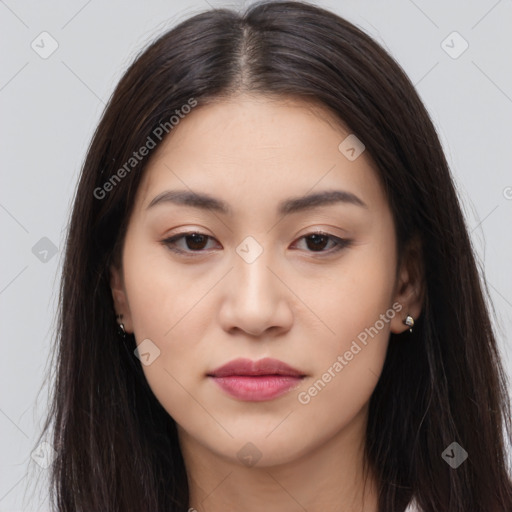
(257, 388)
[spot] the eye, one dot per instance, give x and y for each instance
(195, 242)
(318, 240)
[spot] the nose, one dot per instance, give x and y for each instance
(256, 299)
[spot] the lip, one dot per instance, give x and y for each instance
(256, 381)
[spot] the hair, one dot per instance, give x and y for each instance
(116, 446)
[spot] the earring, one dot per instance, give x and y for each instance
(409, 320)
(121, 331)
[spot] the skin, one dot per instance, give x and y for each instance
(294, 303)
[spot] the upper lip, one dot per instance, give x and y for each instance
(265, 366)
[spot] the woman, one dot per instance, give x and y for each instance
(269, 298)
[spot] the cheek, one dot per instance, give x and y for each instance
(355, 294)
(173, 326)
(356, 305)
(162, 293)
(164, 304)
(346, 370)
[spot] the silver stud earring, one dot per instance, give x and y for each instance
(409, 320)
(121, 330)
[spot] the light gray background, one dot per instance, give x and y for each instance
(51, 106)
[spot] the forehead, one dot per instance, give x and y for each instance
(258, 122)
(253, 146)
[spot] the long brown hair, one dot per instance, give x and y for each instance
(117, 448)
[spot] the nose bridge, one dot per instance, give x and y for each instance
(254, 295)
(251, 271)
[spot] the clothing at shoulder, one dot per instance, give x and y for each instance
(413, 507)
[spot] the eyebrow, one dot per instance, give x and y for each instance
(290, 205)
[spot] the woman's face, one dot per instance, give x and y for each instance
(255, 282)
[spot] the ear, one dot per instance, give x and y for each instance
(121, 305)
(410, 285)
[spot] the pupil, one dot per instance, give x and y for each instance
(316, 238)
(195, 236)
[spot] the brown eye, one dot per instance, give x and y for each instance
(194, 242)
(318, 241)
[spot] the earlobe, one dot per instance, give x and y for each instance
(116, 285)
(119, 297)
(410, 288)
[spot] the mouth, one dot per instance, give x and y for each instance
(256, 381)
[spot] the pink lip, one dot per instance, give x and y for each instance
(256, 380)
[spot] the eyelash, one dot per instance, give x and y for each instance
(170, 242)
